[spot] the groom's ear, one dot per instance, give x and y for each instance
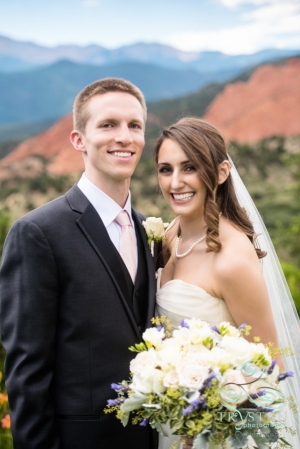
(77, 141)
(224, 170)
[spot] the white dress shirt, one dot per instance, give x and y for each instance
(107, 209)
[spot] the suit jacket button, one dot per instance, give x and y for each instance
(140, 329)
(137, 294)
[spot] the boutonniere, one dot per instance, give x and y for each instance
(155, 230)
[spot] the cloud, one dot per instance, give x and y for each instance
(236, 3)
(269, 24)
(90, 3)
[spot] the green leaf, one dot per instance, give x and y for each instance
(124, 419)
(284, 441)
(134, 401)
(138, 347)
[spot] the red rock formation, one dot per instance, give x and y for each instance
(267, 104)
(54, 145)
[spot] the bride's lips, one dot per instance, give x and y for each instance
(181, 198)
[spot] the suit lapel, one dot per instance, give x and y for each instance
(94, 230)
(150, 266)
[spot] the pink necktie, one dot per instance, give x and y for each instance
(127, 243)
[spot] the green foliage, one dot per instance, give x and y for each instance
(271, 171)
(292, 275)
(44, 181)
(5, 223)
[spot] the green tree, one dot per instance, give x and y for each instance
(292, 275)
(5, 222)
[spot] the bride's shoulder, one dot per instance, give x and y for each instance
(238, 254)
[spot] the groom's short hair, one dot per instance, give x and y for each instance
(101, 87)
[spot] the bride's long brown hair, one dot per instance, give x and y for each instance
(206, 150)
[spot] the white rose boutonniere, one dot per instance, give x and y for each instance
(155, 230)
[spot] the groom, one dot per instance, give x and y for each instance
(71, 304)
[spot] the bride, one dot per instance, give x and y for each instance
(217, 267)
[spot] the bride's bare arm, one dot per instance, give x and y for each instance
(243, 288)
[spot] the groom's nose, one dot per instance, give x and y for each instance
(123, 135)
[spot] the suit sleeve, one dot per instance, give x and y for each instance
(29, 303)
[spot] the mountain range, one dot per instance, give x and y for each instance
(38, 84)
(48, 92)
(265, 104)
(18, 55)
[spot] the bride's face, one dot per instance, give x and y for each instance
(179, 181)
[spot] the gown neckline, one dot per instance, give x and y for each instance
(184, 283)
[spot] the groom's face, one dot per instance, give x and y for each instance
(113, 140)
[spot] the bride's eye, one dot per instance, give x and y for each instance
(190, 168)
(164, 170)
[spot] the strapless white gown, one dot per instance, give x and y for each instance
(177, 299)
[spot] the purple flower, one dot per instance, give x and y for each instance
(159, 328)
(113, 402)
(214, 328)
(271, 367)
(242, 326)
(194, 403)
(208, 381)
(283, 376)
(188, 410)
(199, 402)
(258, 394)
(118, 387)
(265, 409)
(144, 422)
(183, 323)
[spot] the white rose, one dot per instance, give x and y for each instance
(227, 329)
(143, 360)
(233, 393)
(198, 349)
(192, 376)
(148, 381)
(198, 335)
(182, 335)
(257, 350)
(238, 348)
(154, 336)
(154, 227)
(196, 323)
(199, 358)
(272, 393)
(171, 379)
(219, 356)
(169, 354)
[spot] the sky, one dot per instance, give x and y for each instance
(229, 26)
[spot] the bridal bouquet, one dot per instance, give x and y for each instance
(207, 383)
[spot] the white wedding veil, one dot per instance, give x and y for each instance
(283, 307)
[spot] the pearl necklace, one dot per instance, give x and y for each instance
(190, 248)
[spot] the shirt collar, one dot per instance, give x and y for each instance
(106, 207)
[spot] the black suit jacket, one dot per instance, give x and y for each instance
(69, 312)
